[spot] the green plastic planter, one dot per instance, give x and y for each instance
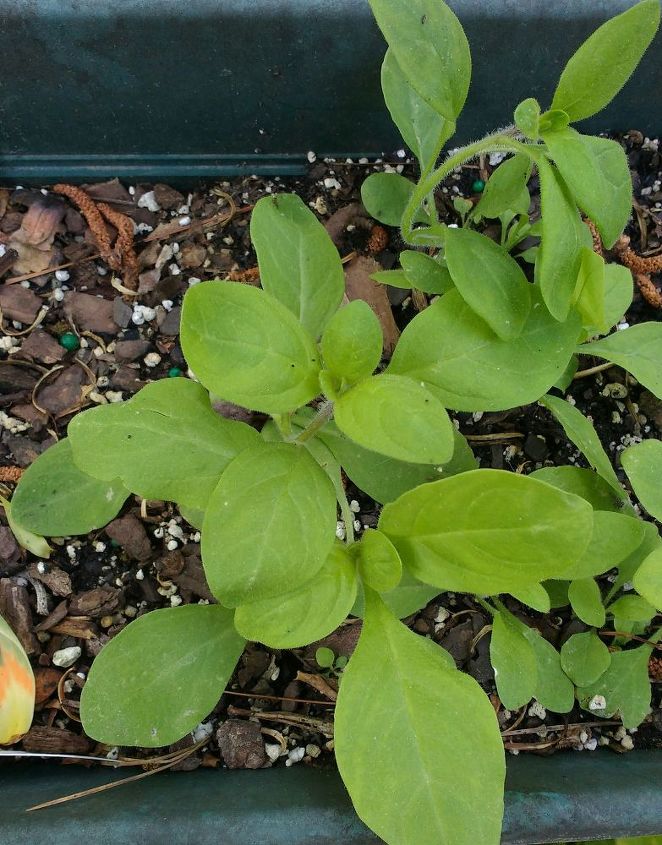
(171, 91)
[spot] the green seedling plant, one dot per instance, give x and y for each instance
(417, 741)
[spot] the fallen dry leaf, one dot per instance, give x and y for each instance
(359, 285)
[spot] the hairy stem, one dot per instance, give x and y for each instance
(499, 142)
(347, 516)
(322, 417)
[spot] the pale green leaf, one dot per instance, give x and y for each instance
(553, 689)
(455, 352)
(269, 525)
(632, 608)
(527, 118)
(487, 531)
(647, 579)
(160, 676)
(590, 293)
(629, 565)
(581, 432)
(352, 342)
(586, 601)
(619, 291)
(558, 592)
(409, 596)
(166, 442)
(489, 280)
(380, 566)
(394, 278)
(614, 537)
(422, 128)
(514, 662)
(582, 482)
(398, 701)
(584, 658)
(624, 686)
(506, 189)
(431, 49)
(553, 120)
(34, 543)
(299, 264)
(606, 60)
(248, 348)
(637, 349)
(56, 498)
(398, 417)
(306, 614)
(596, 172)
(535, 596)
(643, 465)
(385, 197)
(424, 273)
(563, 235)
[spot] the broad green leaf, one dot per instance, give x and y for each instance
(487, 531)
(553, 688)
(409, 596)
(397, 699)
(385, 197)
(625, 687)
(582, 482)
(424, 273)
(430, 46)
(506, 189)
(597, 174)
(489, 280)
(586, 601)
(565, 379)
(306, 614)
(605, 61)
(514, 662)
(398, 417)
(463, 458)
(160, 676)
(194, 516)
(166, 442)
(381, 477)
(584, 658)
(647, 579)
(527, 118)
(352, 342)
(643, 466)
(535, 596)
(422, 128)
(455, 352)
(558, 592)
(553, 120)
(34, 543)
(17, 687)
(380, 566)
(637, 349)
(581, 432)
(56, 498)
(590, 294)
(614, 537)
(632, 609)
(248, 348)
(270, 524)
(627, 567)
(394, 278)
(299, 264)
(618, 293)
(563, 235)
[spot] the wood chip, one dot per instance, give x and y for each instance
(359, 285)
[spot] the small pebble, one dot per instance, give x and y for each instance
(174, 372)
(152, 359)
(66, 657)
(62, 275)
(69, 341)
(598, 702)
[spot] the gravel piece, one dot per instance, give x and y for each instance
(241, 744)
(132, 537)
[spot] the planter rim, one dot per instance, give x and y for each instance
(566, 797)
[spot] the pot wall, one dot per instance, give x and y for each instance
(160, 89)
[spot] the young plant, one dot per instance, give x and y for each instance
(267, 502)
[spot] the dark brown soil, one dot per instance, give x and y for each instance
(149, 557)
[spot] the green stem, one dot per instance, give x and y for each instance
(499, 142)
(322, 417)
(284, 423)
(347, 516)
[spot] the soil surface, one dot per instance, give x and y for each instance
(107, 322)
